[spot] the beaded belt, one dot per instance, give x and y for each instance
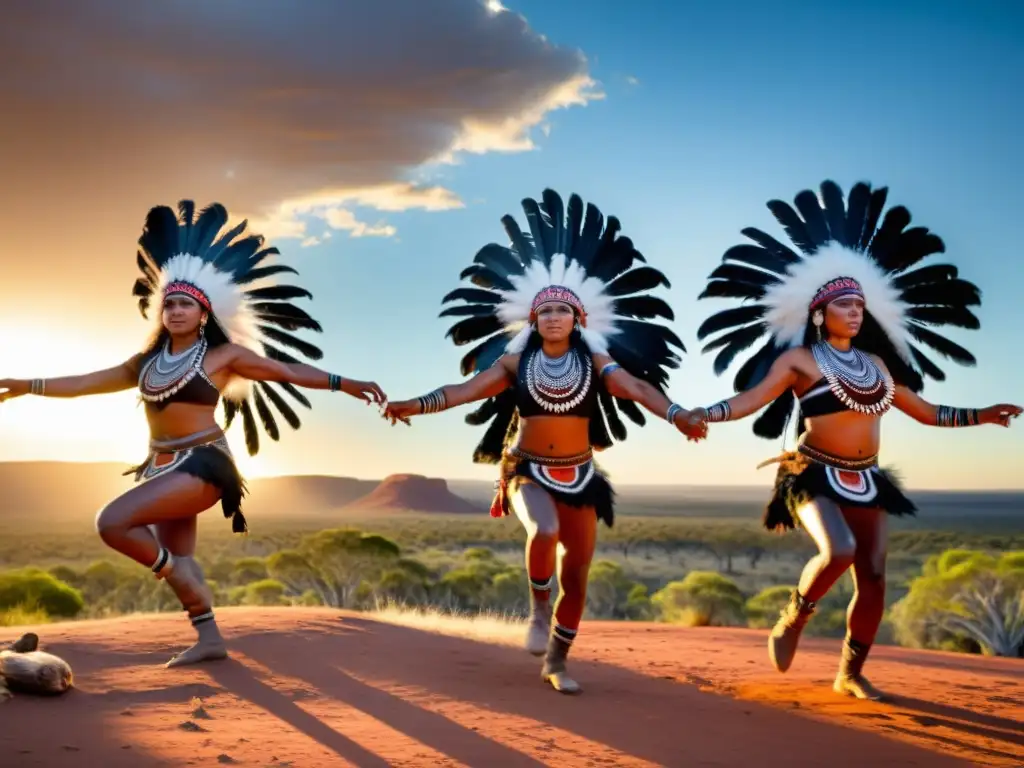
(194, 440)
(852, 465)
(550, 461)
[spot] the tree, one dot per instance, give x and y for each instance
(963, 595)
(265, 592)
(703, 598)
(33, 588)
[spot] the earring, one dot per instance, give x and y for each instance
(818, 318)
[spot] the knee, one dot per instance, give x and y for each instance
(546, 531)
(108, 523)
(573, 580)
(841, 552)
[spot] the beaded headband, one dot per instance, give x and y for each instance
(188, 290)
(832, 290)
(556, 293)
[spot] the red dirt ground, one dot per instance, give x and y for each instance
(316, 687)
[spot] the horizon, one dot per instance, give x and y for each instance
(728, 487)
(380, 163)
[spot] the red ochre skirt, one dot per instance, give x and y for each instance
(574, 482)
(808, 473)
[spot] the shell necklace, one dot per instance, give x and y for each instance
(165, 374)
(854, 378)
(557, 384)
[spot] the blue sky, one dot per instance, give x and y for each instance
(709, 110)
(708, 114)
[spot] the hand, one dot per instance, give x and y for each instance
(401, 411)
(994, 414)
(361, 388)
(12, 388)
(693, 425)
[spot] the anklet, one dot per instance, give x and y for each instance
(565, 634)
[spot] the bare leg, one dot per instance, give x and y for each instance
(578, 538)
(863, 617)
(536, 511)
(169, 505)
(827, 527)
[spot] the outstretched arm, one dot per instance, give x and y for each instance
(781, 376)
(622, 384)
(489, 383)
(116, 379)
(249, 365)
(920, 410)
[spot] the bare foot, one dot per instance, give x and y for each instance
(204, 650)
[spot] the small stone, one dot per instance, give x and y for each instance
(188, 725)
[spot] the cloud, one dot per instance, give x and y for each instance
(632, 80)
(287, 117)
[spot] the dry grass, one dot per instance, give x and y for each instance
(494, 628)
(23, 616)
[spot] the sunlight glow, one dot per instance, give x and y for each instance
(99, 428)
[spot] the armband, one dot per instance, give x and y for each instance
(434, 402)
(720, 411)
(608, 368)
(37, 387)
(947, 416)
(334, 382)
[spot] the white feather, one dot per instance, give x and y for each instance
(514, 310)
(787, 302)
(231, 309)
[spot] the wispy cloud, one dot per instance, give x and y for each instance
(285, 118)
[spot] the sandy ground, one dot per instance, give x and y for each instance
(315, 687)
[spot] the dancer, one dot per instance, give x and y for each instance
(842, 317)
(212, 319)
(562, 354)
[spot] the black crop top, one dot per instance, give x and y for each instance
(564, 386)
(197, 389)
(820, 400)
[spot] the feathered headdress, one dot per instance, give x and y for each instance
(570, 256)
(842, 249)
(183, 254)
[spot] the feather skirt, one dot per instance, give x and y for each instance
(210, 462)
(581, 486)
(801, 479)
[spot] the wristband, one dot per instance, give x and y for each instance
(947, 416)
(334, 382)
(433, 402)
(720, 411)
(37, 387)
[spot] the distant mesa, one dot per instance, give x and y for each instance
(415, 493)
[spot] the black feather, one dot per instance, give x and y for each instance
(279, 292)
(756, 256)
(467, 310)
(772, 422)
(730, 318)
(473, 295)
(793, 224)
(281, 404)
(770, 244)
(258, 274)
(611, 415)
(252, 436)
(835, 212)
(311, 351)
(961, 317)
(941, 344)
(473, 328)
(483, 355)
(934, 273)
(644, 307)
(635, 281)
(266, 417)
(953, 293)
(814, 218)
